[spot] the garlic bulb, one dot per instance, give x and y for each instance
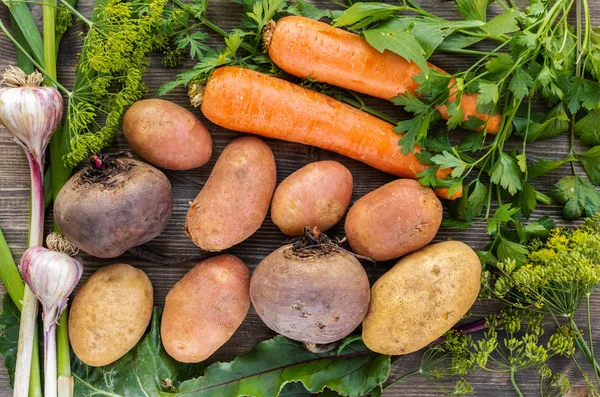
(52, 276)
(29, 111)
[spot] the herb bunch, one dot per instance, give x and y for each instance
(559, 274)
(540, 61)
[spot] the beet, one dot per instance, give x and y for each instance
(311, 291)
(114, 204)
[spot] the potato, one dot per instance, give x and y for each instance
(235, 199)
(396, 219)
(110, 314)
(205, 307)
(167, 135)
(317, 194)
(421, 298)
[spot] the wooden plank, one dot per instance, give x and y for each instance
(14, 206)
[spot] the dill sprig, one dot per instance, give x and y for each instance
(114, 57)
(559, 274)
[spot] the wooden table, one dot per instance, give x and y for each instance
(14, 207)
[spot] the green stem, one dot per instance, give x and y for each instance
(23, 18)
(397, 380)
(590, 334)
(371, 111)
(582, 345)
(9, 273)
(36, 63)
(514, 382)
(35, 384)
(542, 198)
(79, 15)
(62, 340)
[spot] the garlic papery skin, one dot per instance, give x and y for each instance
(52, 276)
(29, 111)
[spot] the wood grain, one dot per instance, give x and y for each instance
(14, 206)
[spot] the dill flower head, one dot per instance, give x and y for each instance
(559, 271)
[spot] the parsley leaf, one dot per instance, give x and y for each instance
(507, 173)
(361, 15)
(510, 250)
(448, 160)
(500, 63)
(520, 83)
(578, 195)
(472, 9)
(476, 200)
(305, 9)
(401, 42)
(503, 215)
(544, 166)
(527, 199)
(415, 130)
(588, 128)
(591, 162)
(430, 32)
(488, 93)
(503, 23)
(410, 102)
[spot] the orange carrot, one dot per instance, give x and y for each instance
(307, 48)
(248, 101)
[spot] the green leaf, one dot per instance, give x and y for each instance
(400, 42)
(578, 196)
(458, 41)
(591, 162)
(510, 250)
(456, 223)
(145, 371)
(503, 23)
(520, 83)
(488, 93)
(500, 63)
(544, 166)
(588, 128)
(507, 173)
(476, 200)
(430, 32)
(503, 215)
(272, 364)
(9, 335)
(360, 15)
(527, 199)
(448, 160)
(472, 9)
(194, 42)
(415, 130)
(305, 9)
(410, 103)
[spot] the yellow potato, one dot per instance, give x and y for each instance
(167, 135)
(235, 199)
(205, 307)
(110, 314)
(394, 220)
(421, 298)
(317, 194)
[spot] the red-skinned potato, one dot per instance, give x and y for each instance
(394, 220)
(167, 135)
(235, 199)
(317, 195)
(204, 308)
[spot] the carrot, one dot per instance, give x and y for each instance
(247, 101)
(307, 48)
